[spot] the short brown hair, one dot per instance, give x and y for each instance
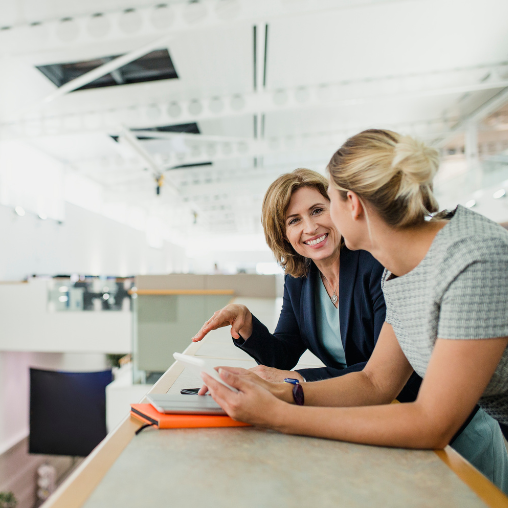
(275, 205)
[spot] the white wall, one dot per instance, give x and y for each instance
(230, 253)
(85, 243)
(228, 261)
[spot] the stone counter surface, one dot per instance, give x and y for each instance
(249, 467)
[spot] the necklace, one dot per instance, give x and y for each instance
(334, 296)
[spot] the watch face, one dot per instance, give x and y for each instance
(298, 394)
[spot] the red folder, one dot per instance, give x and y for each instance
(149, 415)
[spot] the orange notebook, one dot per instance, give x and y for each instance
(150, 416)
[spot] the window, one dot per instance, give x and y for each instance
(151, 67)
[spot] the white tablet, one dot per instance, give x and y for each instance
(185, 404)
(199, 365)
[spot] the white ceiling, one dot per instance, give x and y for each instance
(332, 68)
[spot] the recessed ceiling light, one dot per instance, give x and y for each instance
(501, 193)
(471, 203)
(42, 216)
(19, 210)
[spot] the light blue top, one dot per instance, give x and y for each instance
(328, 324)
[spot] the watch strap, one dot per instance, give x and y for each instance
(298, 394)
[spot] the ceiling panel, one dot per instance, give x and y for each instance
(28, 11)
(237, 126)
(335, 118)
(208, 63)
(214, 62)
(388, 39)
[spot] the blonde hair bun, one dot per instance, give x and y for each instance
(417, 162)
(394, 173)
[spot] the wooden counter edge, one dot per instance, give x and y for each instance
(76, 489)
(479, 484)
(162, 292)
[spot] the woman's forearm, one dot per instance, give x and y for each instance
(397, 425)
(378, 383)
(446, 398)
(353, 389)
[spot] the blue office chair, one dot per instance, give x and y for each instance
(67, 411)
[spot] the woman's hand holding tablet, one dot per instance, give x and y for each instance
(199, 366)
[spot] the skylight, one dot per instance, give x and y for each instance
(187, 128)
(150, 67)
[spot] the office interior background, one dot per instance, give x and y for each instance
(137, 138)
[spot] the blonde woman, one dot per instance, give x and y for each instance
(445, 288)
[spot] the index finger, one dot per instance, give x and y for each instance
(207, 327)
(216, 321)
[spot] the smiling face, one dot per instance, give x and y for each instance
(309, 227)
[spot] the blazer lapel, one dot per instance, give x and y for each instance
(347, 277)
(307, 309)
(308, 312)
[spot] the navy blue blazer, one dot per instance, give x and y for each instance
(362, 313)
